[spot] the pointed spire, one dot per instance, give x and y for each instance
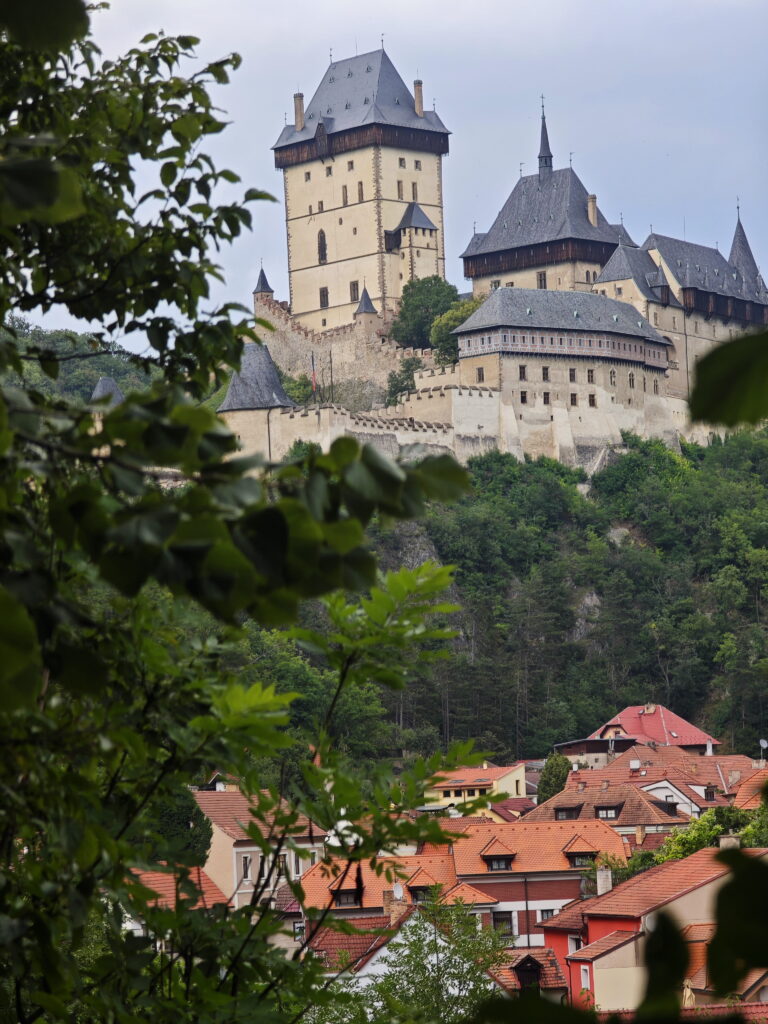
(365, 305)
(262, 285)
(741, 254)
(545, 153)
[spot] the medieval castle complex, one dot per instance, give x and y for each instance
(583, 333)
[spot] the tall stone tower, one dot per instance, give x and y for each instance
(362, 169)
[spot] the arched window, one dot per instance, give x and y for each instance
(631, 380)
(612, 376)
(322, 247)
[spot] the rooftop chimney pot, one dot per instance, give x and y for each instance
(592, 210)
(298, 110)
(418, 95)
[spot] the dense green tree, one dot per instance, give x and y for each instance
(422, 301)
(554, 776)
(402, 379)
(444, 343)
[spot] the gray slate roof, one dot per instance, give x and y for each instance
(262, 285)
(365, 305)
(705, 268)
(551, 310)
(543, 208)
(628, 263)
(257, 385)
(414, 217)
(741, 255)
(106, 387)
(358, 91)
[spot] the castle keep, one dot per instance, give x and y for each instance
(583, 334)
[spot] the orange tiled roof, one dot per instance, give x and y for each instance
(231, 811)
(468, 894)
(604, 945)
(551, 976)
(750, 792)
(340, 949)
(570, 917)
(513, 807)
(656, 723)
(322, 879)
(633, 806)
(474, 776)
(165, 885)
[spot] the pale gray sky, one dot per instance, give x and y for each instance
(661, 103)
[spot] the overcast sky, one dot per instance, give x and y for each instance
(661, 102)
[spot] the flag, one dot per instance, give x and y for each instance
(314, 376)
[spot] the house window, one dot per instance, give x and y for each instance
(482, 792)
(414, 191)
(522, 373)
(612, 378)
(590, 376)
(574, 398)
(399, 190)
(574, 943)
(346, 898)
(350, 165)
(480, 378)
(656, 319)
(495, 285)
(585, 976)
(674, 323)
(310, 209)
(322, 247)
(354, 291)
(572, 375)
(619, 291)
(328, 171)
(307, 175)
(401, 162)
(546, 914)
(282, 865)
(582, 860)
(446, 793)
(523, 398)
(655, 387)
(417, 165)
(545, 398)
(566, 813)
(320, 206)
(458, 792)
(509, 284)
(359, 191)
(607, 812)
(299, 927)
(503, 922)
(499, 863)
(541, 279)
(344, 195)
(246, 866)
(419, 893)
(545, 373)
(323, 298)
(592, 401)
(470, 792)
(709, 793)
(632, 380)
(296, 865)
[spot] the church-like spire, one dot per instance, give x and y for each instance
(365, 305)
(545, 153)
(741, 254)
(262, 285)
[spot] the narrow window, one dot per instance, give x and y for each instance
(323, 298)
(541, 279)
(572, 375)
(359, 191)
(632, 380)
(350, 165)
(310, 209)
(523, 398)
(590, 376)
(546, 398)
(619, 291)
(354, 291)
(401, 162)
(495, 285)
(674, 323)
(328, 171)
(522, 374)
(322, 247)
(399, 190)
(246, 864)
(344, 195)
(307, 175)
(643, 383)
(574, 398)
(417, 165)
(545, 373)
(612, 378)
(414, 191)
(320, 206)
(480, 375)
(592, 402)
(655, 387)
(585, 977)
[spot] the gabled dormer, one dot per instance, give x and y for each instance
(497, 856)
(420, 884)
(580, 852)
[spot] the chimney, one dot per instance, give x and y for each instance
(604, 784)
(604, 880)
(728, 842)
(592, 210)
(298, 110)
(418, 95)
(734, 776)
(581, 786)
(639, 834)
(709, 748)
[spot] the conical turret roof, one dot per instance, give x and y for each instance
(106, 387)
(257, 384)
(741, 254)
(262, 285)
(365, 305)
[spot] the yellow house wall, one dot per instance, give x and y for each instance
(220, 863)
(619, 978)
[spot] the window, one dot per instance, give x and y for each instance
(414, 191)
(523, 398)
(585, 976)
(399, 190)
(354, 231)
(574, 398)
(323, 298)
(567, 813)
(593, 401)
(655, 387)
(503, 922)
(709, 793)
(674, 323)
(509, 284)
(499, 863)
(470, 792)
(574, 943)
(344, 195)
(545, 398)
(322, 247)
(545, 373)
(296, 865)
(346, 898)
(482, 792)
(310, 209)
(546, 914)
(607, 813)
(417, 165)
(590, 376)
(632, 380)
(612, 378)
(446, 793)
(572, 375)
(246, 866)
(350, 165)
(619, 291)
(419, 893)
(541, 279)
(644, 383)
(522, 373)
(328, 171)
(354, 291)
(299, 928)
(495, 285)
(581, 860)
(656, 319)
(282, 865)
(307, 175)
(480, 378)
(458, 792)
(320, 206)
(359, 191)
(401, 162)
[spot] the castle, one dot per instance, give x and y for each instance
(583, 333)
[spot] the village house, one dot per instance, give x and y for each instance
(485, 780)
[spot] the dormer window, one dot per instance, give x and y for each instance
(607, 813)
(709, 793)
(581, 860)
(567, 813)
(346, 898)
(419, 893)
(499, 863)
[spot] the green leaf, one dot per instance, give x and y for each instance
(20, 660)
(741, 940)
(44, 24)
(38, 189)
(666, 960)
(732, 383)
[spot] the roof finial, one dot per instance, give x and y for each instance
(621, 219)
(474, 227)
(738, 209)
(522, 164)
(330, 54)
(382, 40)
(570, 159)
(542, 104)
(545, 153)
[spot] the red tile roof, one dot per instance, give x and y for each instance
(551, 976)
(656, 723)
(231, 812)
(474, 776)
(513, 807)
(570, 918)
(750, 792)
(166, 885)
(340, 949)
(604, 945)
(757, 1012)
(323, 879)
(633, 806)
(468, 894)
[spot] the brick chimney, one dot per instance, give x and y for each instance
(393, 907)
(418, 95)
(298, 110)
(639, 834)
(592, 210)
(728, 842)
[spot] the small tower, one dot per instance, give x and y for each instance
(366, 312)
(106, 388)
(256, 385)
(545, 153)
(262, 285)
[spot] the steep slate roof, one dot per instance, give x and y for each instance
(543, 207)
(551, 310)
(358, 91)
(659, 725)
(414, 217)
(262, 285)
(635, 807)
(106, 387)
(604, 945)
(741, 254)
(230, 811)
(551, 976)
(705, 268)
(257, 384)
(165, 884)
(628, 263)
(365, 305)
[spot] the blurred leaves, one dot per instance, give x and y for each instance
(732, 382)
